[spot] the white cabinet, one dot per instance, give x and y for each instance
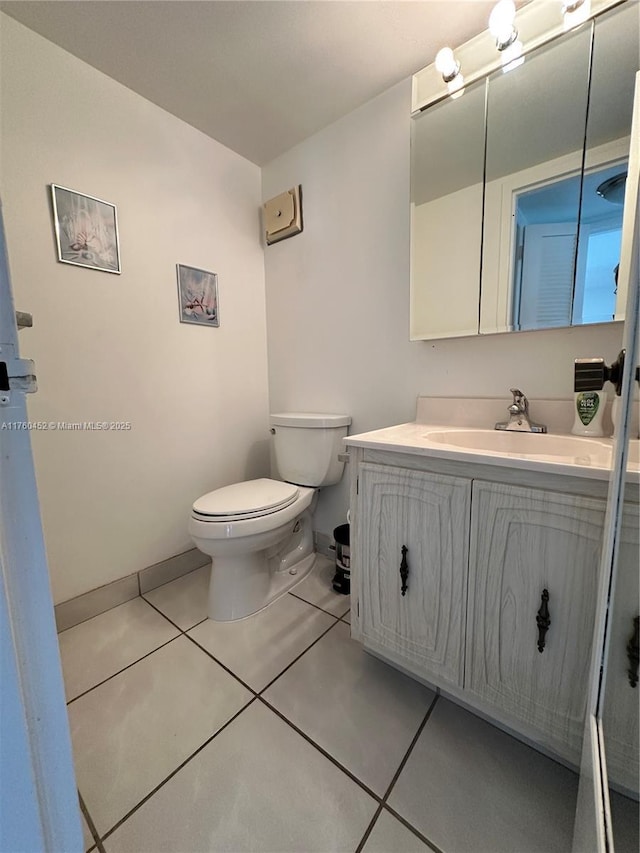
(413, 552)
(480, 555)
(527, 543)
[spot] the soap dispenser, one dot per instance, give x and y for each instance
(589, 398)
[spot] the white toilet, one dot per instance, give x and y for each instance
(259, 533)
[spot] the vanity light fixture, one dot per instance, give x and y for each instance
(449, 67)
(501, 24)
(504, 32)
(575, 12)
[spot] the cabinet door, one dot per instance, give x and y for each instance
(428, 515)
(621, 710)
(525, 541)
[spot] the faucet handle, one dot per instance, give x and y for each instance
(519, 400)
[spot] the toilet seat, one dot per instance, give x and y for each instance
(243, 501)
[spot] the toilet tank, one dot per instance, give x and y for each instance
(306, 447)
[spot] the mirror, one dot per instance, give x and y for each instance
(534, 136)
(548, 222)
(447, 167)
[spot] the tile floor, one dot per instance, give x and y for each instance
(278, 733)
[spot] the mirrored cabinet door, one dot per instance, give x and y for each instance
(600, 289)
(535, 131)
(447, 163)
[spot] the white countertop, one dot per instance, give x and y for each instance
(594, 463)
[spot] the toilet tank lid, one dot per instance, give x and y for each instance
(309, 420)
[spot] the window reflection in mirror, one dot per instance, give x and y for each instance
(447, 162)
(553, 287)
(535, 130)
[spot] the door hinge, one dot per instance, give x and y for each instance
(16, 374)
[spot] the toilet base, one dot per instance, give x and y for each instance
(242, 584)
(261, 586)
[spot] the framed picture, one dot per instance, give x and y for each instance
(86, 230)
(198, 296)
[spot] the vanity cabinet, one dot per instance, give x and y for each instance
(413, 546)
(484, 547)
(533, 551)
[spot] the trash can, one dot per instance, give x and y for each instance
(342, 578)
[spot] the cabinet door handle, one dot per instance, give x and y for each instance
(542, 620)
(633, 652)
(404, 570)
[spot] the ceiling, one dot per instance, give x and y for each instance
(259, 76)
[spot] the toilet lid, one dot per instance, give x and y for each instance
(246, 500)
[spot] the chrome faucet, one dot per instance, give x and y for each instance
(519, 415)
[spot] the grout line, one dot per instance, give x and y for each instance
(175, 624)
(220, 664)
(230, 671)
(124, 668)
(317, 606)
(383, 801)
(415, 831)
(302, 653)
(411, 746)
(176, 770)
(367, 831)
(92, 828)
(322, 751)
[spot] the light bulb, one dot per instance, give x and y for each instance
(447, 64)
(501, 23)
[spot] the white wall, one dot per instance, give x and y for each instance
(111, 347)
(338, 295)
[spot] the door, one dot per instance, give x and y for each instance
(593, 828)
(534, 556)
(413, 584)
(39, 806)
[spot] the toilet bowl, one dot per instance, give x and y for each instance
(259, 533)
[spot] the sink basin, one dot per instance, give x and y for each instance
(561, 447)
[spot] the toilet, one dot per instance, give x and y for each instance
(259, 533)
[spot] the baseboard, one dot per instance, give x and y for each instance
(96, 601)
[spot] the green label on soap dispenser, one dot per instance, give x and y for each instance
(587, 404)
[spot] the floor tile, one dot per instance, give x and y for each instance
(184, 600)
(347, 617)
(259, 647)
(468, 786)
(102, 646)
(316, 588)
(258, 786)
(362, 711)
(390, 836)
(625, 819)
(132, 731)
